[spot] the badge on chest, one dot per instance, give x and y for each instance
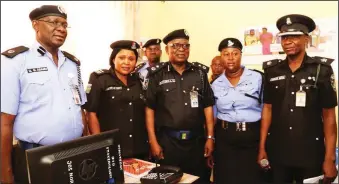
(300, 97)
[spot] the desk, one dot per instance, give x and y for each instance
(186, 178)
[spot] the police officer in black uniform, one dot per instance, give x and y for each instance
(116, 100)
(179, 102)
(298, 120)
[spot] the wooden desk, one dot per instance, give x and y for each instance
(186, 178)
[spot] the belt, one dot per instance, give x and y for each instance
(26, 145)
(182, 134)
(238, 126)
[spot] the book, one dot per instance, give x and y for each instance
(136, 168)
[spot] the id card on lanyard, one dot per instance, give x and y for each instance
(74, 89)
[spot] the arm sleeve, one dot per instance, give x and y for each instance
(267, 93)
(327, 88)
(10, 85)
(93, 94)
(151, 92)
(208, 95)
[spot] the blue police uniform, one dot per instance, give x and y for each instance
(238, 112)
(40, 94)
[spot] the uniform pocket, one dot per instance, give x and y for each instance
(40, 88)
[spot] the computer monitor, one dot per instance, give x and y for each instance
(94, 159)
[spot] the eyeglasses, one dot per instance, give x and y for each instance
(56, 24)
(178, 45)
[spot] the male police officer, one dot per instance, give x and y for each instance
(298, 120)
(153, 53)
(41, 91)
(179, 102)
(217, 66)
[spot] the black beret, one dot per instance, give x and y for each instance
(150, 42)
(180, 33)
(230, 43)
(47, 10)
(295, 24)
(125, 44)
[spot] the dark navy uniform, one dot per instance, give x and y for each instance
(180, 125)
(296, 135)
(120, 106)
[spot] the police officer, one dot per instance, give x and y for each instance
(217, 67)
(298, 120)
(153, 53)
(41, 92)
(116, 100)
(179, 102)
(238, 110)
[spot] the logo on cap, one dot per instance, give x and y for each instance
(61, 9)
(230, 43)
(186, 33)
(157, 40)
(10, 51)
(133, 46)
(288, 21)
(323, 60)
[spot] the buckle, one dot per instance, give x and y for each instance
(184, 135)
(241, 126)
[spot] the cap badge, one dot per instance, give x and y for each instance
(61, 9)
(133, 46)
(10, 51)
(157, 40)
(230, 43)
(186, 33)
(288, 21)
(269, 63)
(323, 60)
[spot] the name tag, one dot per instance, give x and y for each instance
(113, 88)
(278, 78)
(41, 69)
(166, 81)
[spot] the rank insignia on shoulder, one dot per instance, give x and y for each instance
(270, 63)
(139, 66)
(201, 66)
(11, 53)
(323, 60)
(71, 57)
(101, 71)
(156, 68)
(333, 82)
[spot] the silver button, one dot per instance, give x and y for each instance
(317, 138)
(130, 120)
(69, 108)
(268, 133)
(130, 103)
(292, 93)
(112, 97)
(290, 128)
(306, 87)
(185, 103)
(292, 76)
(184, 91)
(276, 86)
(291, 110)
(166, 89)
(197, 88)
(127, 89)
(130, 135)
(182, 78)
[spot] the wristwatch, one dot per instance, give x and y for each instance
(211, 137)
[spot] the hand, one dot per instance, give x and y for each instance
(209, 147)
(210, 161)
(156, 151)
(7, 179)
(330, 171)
(262, 155)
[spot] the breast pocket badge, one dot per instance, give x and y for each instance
(194, 99)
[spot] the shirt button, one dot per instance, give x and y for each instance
(69, 108)
(291, 110)
(292, 76)
(166, 89)
(112, 97)
(182, 78)
(130, 103)
(130, 135)
(185, 103)
(276, 86)
(130, 120)
(290, 128)
(127, 89)
(184, 91)
(317, 138)
(292, 93)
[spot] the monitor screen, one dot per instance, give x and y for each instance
(94, 159)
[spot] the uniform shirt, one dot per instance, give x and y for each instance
(119, 106)
(168, 94)
(39, 93)
(232, 104)
(296, 133)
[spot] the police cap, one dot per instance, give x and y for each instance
(47, 10)
(230, 43)
(125, 44)
(180, 33)
(295, 24)
(150, 42)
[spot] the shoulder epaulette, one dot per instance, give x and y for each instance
(11, 53)
(201, 66)
(156, 68)
(139, 66)
(270, 63)
(323, 60)
(101, 72)
(71, 57)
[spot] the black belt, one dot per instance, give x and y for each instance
(238, 126)
(26, 145)
(182, 134)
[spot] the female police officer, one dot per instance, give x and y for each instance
(238, 106)
(116, 100)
